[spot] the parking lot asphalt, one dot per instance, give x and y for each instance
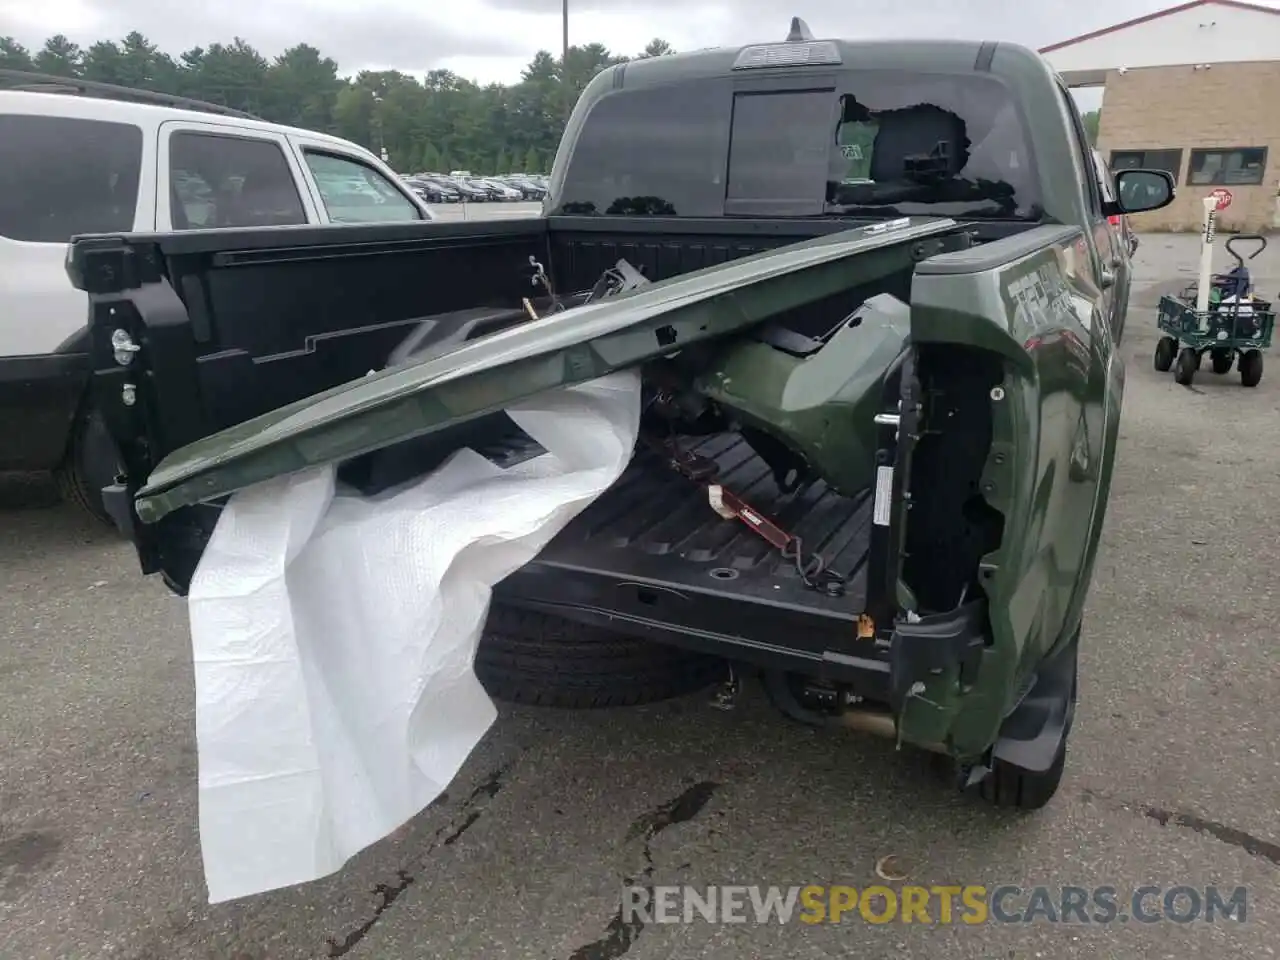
(1173, 775)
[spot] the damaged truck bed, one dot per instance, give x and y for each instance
(652, 552)
(823, 358)
(881, 390)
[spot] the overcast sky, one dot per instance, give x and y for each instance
(492, 40)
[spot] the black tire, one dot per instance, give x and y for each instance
(536, 658)
(1221, 360)
(1188, 364)
(1010, 786)
(1007, 785)
(1251, 368)
(1166, 350)
(91, 463)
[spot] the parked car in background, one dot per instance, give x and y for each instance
(466, 189)
(529, 189)
(78, 157)
(446, 192)
(498, 191)
(433, 191)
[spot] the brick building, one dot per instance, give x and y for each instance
(1194, 90)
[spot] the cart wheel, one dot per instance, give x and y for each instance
(1188, 363)
(1166, 350)
(1250, 368)
(1222, 360)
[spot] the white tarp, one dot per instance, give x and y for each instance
(334, 637)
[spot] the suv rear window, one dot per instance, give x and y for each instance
(62, 176)
(861, 142)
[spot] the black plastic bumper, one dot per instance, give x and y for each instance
(39, 399)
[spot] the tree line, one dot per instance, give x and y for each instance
(441, 122)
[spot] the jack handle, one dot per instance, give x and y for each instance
(1250, 237)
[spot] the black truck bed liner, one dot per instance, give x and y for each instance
(652, 551)
(656, 521)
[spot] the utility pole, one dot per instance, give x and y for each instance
(564, 61)
(377, 120)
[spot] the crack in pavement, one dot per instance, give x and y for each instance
(621, 933)
(452, 838)
(487, 789)
(389, 893)
(1254, 846)
(1224, 833)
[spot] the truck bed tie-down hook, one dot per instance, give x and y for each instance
(813, 570)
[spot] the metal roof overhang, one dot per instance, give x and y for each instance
(1084, 78)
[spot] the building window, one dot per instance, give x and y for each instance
(1168, 160)
(1229, 166)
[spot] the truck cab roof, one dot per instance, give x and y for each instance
(811, 55)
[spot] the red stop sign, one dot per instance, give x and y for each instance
(1223, 196)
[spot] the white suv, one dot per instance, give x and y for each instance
(84, 164)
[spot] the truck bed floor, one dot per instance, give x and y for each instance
(655, 528)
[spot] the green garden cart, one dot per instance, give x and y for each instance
(1234, 327)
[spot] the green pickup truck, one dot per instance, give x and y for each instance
(875, 300)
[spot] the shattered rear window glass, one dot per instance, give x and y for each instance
(869, 141)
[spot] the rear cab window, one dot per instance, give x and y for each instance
(221, 180)
(855, 142)
(354, 192)
(63, 176)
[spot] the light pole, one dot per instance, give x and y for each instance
(377, 119)
(564, 60)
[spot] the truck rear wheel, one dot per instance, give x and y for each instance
(1050, 705)
(91, 463)
(1010, 786)
(535, 658)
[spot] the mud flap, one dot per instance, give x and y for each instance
(1034, 732)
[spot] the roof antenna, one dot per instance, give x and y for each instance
(799, 31)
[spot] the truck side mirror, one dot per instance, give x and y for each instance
(1138, 191)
